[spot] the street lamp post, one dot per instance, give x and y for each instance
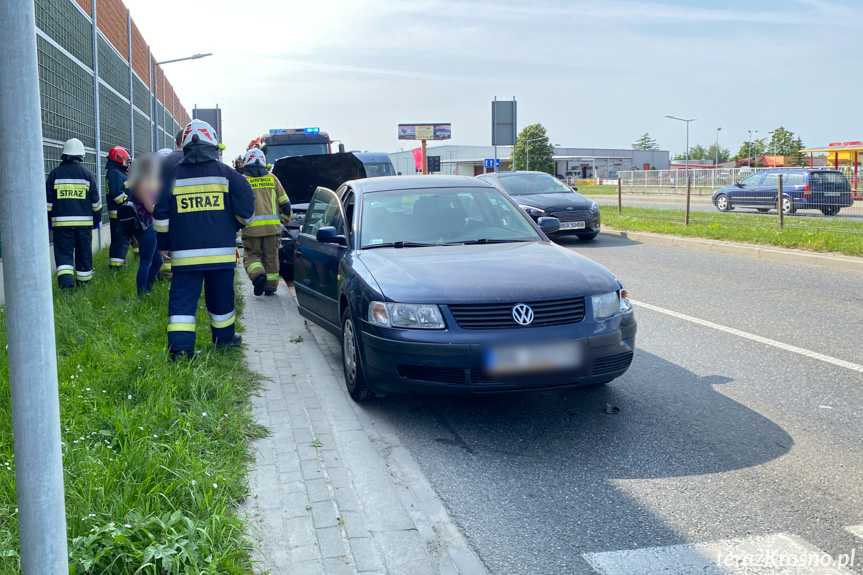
(750, 146)
(527, 147)
(716, 163)
(153, 91)
(688, 184)
(773, 146)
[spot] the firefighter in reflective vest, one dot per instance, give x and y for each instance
(118, 194)
(261, 240)
(74, 209)
(202, 206)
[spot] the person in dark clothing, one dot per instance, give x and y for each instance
(199, 212)
(169, 164)
(118, 163)
(74, 209)
(238, 164)
(145, 179)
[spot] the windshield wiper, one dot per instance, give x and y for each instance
(399, 245)
(488, 241)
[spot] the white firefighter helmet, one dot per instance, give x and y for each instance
(255, 156)
(73, 147)
(204, 132)
(165, 151)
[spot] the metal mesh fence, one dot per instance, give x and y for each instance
(68, 27)
(141, 95)
(143, 134)
(66, 91)
(114, 120)
(113, 70)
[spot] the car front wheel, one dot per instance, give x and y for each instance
(788, 206)
(723, 204)
(355, 380)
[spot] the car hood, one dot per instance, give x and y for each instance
(557, 200)
(486, 273)
(302, 175)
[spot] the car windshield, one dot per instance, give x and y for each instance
(276, 151)
(440, 217)
(527, 184)
(374, 170)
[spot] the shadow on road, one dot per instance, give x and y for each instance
(601, 241)
(531, 474)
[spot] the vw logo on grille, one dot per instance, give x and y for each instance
(570, 208)
(522, 314)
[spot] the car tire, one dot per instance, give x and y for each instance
(788, 206)
(830, 210)
(723, 203)
(587, 237)
(352, 363)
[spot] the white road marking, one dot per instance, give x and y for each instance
(753, 337)
(856, 530)
(757, 555)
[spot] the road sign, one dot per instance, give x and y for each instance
(455, 172)
(433, 164)
(492, 162)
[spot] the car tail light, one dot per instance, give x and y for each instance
(806, 190)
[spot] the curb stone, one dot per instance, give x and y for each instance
(330, 493)
(764, 252)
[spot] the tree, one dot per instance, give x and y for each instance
(699, 152)
(645, 142)
(724, 153)
(784, 143)
(759, 148)
(541, 150)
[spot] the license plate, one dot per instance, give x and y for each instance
(533, 358)
(572, 225)
(831, 194)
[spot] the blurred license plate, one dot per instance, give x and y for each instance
(534, 358)
(572, 225)
(831, 194)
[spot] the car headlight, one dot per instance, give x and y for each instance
(594, 207)
(532, 211)
(406, 315)
(625, 304)
(605, 305)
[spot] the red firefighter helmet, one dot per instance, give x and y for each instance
(119, 154)
(255, 156)
(203, 131)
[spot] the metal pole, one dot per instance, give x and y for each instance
(527, 147)
(619, 195)
(97, 115)
(688, 193)
(779, 204)
(27, 277)
(131, 87)
(152, 100)
(425, 163)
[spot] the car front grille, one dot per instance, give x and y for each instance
(572, 216)
(451, 375)
(611, 364)
(499, 315)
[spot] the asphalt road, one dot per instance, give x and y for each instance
(718, 435)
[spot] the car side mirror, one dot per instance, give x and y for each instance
(549, 225)
(330, 235)
(738, 184)
(574, 188)
(341, 148)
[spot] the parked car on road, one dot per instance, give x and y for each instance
(443, 285)
(802, 189)
(541, 195)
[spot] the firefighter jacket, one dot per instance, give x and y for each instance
(73, 196)
(200, 210)
(271, 200)
(116, 189)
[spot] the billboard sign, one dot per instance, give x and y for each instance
(425, 131)
(503, 122)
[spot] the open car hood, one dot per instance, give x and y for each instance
(302, 175)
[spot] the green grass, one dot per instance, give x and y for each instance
(597, 190)
(155, 454)
(816, 234)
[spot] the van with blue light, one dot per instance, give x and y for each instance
(376, 164)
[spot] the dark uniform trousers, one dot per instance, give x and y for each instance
(261, 257)
(183, 303)
(119, 245)
(73, 255)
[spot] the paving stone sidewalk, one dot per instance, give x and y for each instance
(332, 490)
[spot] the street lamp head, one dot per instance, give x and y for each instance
(197, 56)
(718, 129)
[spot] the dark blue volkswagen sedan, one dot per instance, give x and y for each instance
(443, 285)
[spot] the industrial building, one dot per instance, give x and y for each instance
(575, 163)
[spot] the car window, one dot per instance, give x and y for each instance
(525, 184)
(827, 177)
(324, 210)
(794, 179)
(771, 180)
(751, 180)
(442, 216)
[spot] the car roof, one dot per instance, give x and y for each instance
(388, 183)
(372, 156)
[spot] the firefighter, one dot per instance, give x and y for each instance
(238, 164)
(116, 168)
(201, 208)
(262, 238)
(74, 209)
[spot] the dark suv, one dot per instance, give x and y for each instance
(804, 189)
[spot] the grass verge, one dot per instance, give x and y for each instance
(155, 454)
(837, 236)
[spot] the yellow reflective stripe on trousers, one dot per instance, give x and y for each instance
(69, 222)
(255, 266)
(161, 226)
(223, 320)
(204, 256)
(181, 323)
(271, 277)
(65, 270)
(265, 220)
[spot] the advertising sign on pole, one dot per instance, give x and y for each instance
(425, 131)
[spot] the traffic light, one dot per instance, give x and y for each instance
(433, 164)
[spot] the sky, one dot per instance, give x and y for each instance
(595, 73)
